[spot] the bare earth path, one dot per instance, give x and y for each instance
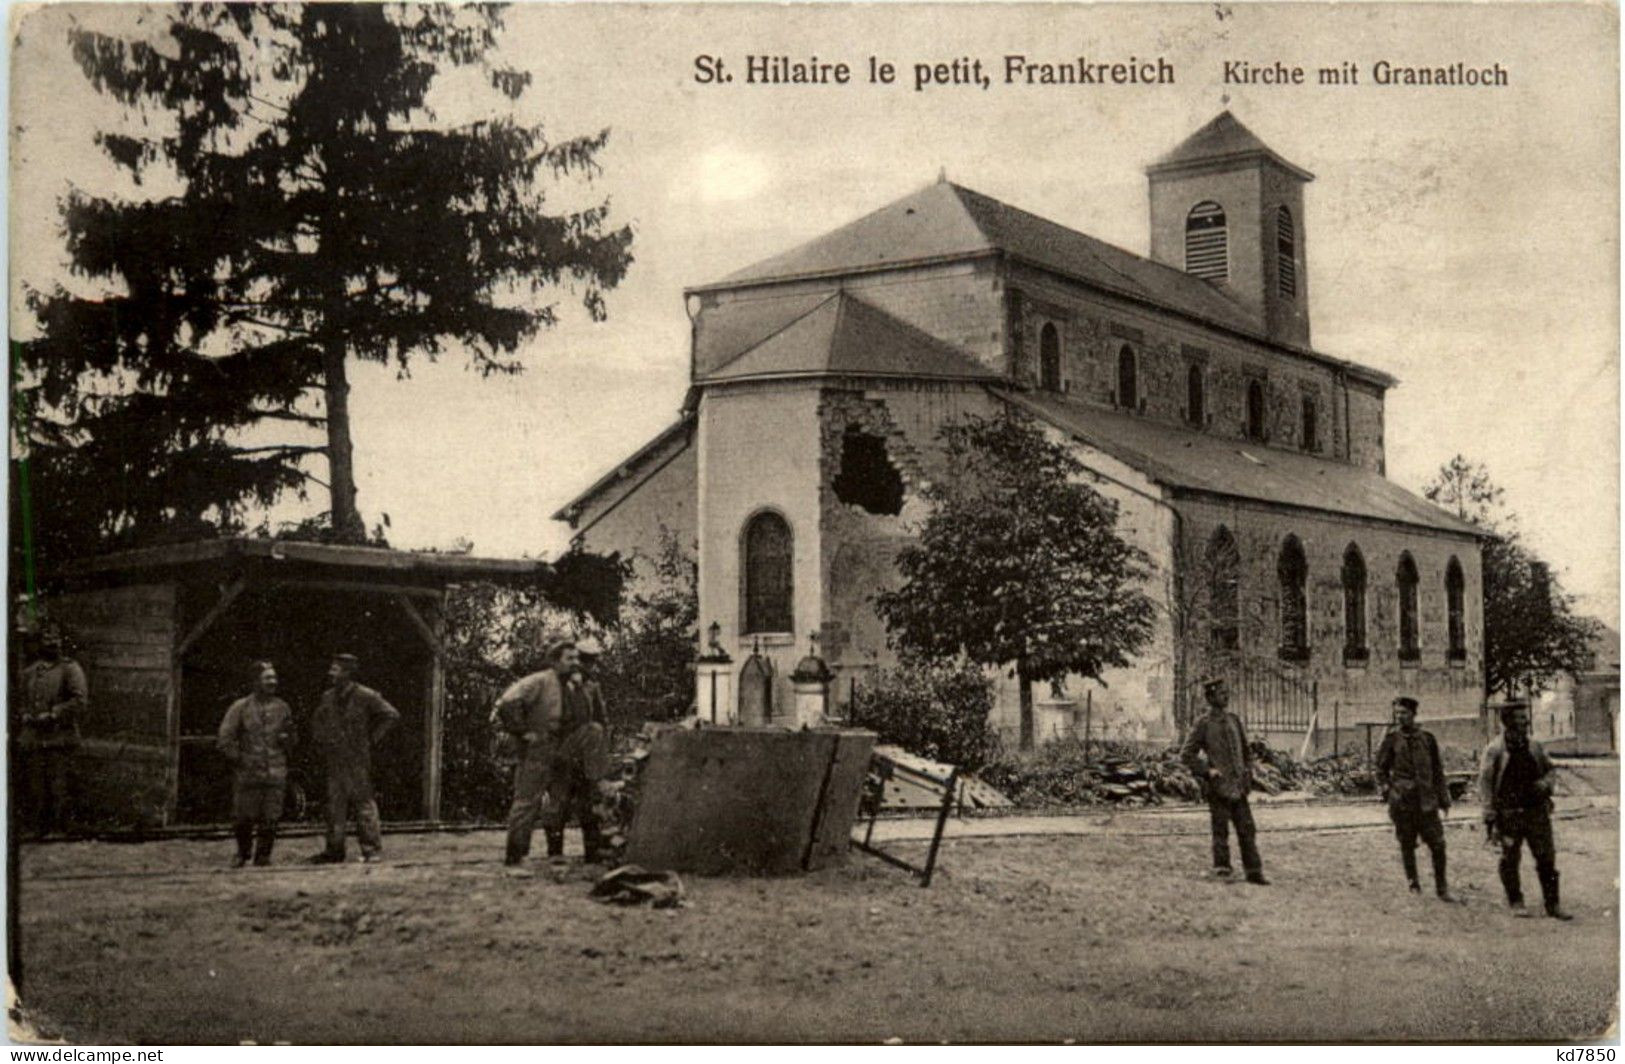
(1105, 929)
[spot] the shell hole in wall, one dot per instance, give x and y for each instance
(867, 477)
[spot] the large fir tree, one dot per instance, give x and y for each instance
(314, 211)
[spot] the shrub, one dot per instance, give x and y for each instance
(938, 711)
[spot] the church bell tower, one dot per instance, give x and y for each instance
(1227, 209)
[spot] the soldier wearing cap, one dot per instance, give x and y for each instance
(256, 736)
(1515, 784)
(348, 723)
(1216, 751)
(51, 695)
(1410, 777)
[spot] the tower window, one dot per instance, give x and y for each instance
(1292, 569)
(1410, 646)
(1311, 439)
(1255, 411)
(1195, 396)
(1454, 586)
(1128, 385)
(1049, 359)
(1207, 242)
(1286, 253)
(1354, 644)
(767, 574)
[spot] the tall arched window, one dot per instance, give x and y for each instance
(1128, 385)
(1223, 563)
(1455, 587)
(1292, 569)
(1207, 242)
(1049, 359)
(1410, 644)
(1195, 396)
(1286, 253)
(1255, 411)
(1354, 644)
(1311, 427)
(766, 574)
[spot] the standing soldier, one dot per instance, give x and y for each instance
(348, 723)
(1410, 776)
(1515, 784)
(532, 711)
(583, 756)
(52, 694)
(1219, 738)
(256, 736)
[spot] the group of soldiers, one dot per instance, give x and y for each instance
(1515, 781)
(555, 730)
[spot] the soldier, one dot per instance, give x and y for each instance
(348, 723)
(1515, 784)
(256, 736)
(52, 694)
(532, 711)
(1220, 737)
(1410, 777)
(583, 755)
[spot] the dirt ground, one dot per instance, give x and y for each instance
(1096, 938)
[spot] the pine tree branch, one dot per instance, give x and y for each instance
(283, 449)
(288, 415)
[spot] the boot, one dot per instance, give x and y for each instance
(245, 843)
(264, 841)
(1548, 890)
(555, 842)
(1408, 859)
(592, 841)
(1441, 885)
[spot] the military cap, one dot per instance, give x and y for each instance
(348, 660)
(1406, 702)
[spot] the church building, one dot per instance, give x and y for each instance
(1245, 463)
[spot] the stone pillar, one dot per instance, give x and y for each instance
(810, 682)
(714, 683)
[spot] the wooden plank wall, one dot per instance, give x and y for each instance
(124, 639)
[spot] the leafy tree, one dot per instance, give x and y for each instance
(306, 207)
(647, 670)
(935, 709)
(1531, 632)
(1019, 563)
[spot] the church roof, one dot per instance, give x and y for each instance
(944, 222)
(837, 334)
(1221, 140)
(1188, 461)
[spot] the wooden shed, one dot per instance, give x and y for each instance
(167, 636)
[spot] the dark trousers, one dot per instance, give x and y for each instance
(347, 792)
(1410, 822)
(46, 803)
(1224, 812)
(256, 806)
(1534, 826)
(554, 786)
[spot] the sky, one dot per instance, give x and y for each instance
(1464, 240)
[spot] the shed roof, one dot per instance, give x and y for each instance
(375, 563)
(1192, 462)
(840, 335)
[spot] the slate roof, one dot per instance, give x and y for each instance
(838, 334)
(1186, 460)
(1222, 139)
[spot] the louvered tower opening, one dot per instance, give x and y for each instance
(1207, 243)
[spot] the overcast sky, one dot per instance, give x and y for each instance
(1463, 240)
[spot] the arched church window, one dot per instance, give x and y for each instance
(1195, 396)
(1223, 563)
(1207, 242)
(1049, 358)
(1128, 385)
(766, 573)
(1311, 428)
(1255, 411)
(1354, 644)
(1286, 253)
(1455, 587)
(1292, 570)
(1410, 645)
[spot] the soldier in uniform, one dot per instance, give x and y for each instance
(1515, 784)
(531, 710)
(1410, 777)
(1216, 752)
(583, 756)
(256, 736)
(348, 723)
(52, 694)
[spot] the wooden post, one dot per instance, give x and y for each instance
(433, 631)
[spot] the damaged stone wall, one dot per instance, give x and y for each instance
(1363, 690)
(1094, 328)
